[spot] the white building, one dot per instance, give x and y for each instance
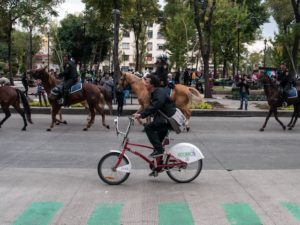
(154, 48)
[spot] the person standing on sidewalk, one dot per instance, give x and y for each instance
(25, 83)
(244, 91)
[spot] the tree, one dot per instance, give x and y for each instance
(179, 29)
(12, 11)
(287, 15)
(104, 7)
(139, 15)
(203, 12)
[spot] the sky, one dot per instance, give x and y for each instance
(76, 6)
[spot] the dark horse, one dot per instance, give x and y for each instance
(90, 93)
(11, 96)
(275, 100)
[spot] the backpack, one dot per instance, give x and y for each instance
(177, 121)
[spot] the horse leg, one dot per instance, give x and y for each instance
(277, 119)
(5, 109)
(295, 116)
(91, 121)
(102, 112)
(292, 120)
(55, 110)
(187, 113)
(266, 121)
(21, 112)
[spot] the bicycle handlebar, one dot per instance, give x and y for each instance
(131, 123)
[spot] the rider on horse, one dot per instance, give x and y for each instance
(285, 80)
(162, 70)
(70, 77)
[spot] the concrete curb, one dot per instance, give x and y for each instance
(195, 112)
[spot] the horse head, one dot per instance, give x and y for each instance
(123, 81)
(40, 73)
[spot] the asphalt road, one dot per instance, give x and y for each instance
(249, 177)
(227, 143)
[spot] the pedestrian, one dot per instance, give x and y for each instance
(108, 83)
(41, 93)
(244, 91)
(25, 83)
(186, 77)
(157, 129)
(120, 100)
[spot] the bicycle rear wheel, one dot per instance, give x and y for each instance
(183, 173)
(106, 170)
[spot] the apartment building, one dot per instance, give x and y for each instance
(154, 48)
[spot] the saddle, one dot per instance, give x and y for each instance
(59, 89)
(292, 93)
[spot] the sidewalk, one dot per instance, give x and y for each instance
(224, 108)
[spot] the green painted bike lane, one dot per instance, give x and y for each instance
(169, 213)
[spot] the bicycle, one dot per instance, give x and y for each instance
(182, 162)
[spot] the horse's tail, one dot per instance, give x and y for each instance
(195, 95)
(25, 105)
(107, 97)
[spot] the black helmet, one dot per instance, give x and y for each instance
(163, 58)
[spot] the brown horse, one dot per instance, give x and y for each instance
(90, 93)
(11, 96)
(275, 100)
(181, 94)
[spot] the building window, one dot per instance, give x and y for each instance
(160, 46)
(126, 34)
(125, 45)
(125, 57)
(159, 35)
(150, 34)
(149, 46)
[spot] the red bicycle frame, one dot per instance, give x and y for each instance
(156, 163)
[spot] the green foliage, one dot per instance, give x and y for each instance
(179, 30)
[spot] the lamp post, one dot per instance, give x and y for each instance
(265, 41)
(48, 35)
(238, 27)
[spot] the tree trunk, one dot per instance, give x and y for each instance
(30, 48)
(137, 51)
(9, 44)
(296, 5)
(208, 82)
(224, 68)
(116, 45)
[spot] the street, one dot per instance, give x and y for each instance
(249, 177)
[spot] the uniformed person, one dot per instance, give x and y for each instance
(162, 70)
(285, 81)
(70, 77)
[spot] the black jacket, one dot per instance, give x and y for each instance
(283, 77)
(159, 101)
(70, 72)
(242, 85)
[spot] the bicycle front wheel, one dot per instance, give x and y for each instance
(106, 170)
(183, 173)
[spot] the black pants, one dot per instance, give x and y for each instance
(156, 135)
(67, 85)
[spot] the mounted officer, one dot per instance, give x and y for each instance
(70, 77)
(285, 81)
(162, 70)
